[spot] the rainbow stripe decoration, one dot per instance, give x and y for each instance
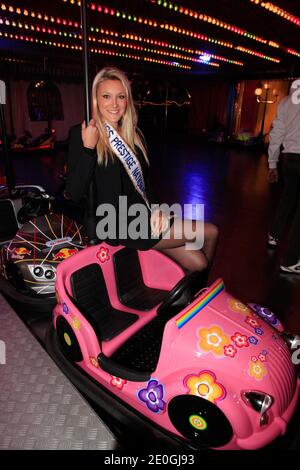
(187, 316)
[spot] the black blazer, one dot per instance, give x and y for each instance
(111, 181)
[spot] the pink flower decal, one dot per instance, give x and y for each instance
(252, 322)
(257, 370)
(241, 341)
(117, 382)
(103, 255)
(262, 357)
(212, 340)
(205, 385)
(230, 350)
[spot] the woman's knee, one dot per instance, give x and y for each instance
(197, 263)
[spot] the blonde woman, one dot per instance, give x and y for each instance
(111, 149)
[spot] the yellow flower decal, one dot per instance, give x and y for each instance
(257, 370)
(93, 361)
(213, 340)
(76, 323)
(205, 386)
(239, 307)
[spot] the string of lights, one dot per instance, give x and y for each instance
(179, 48)
(233, 29)
(277, 11)
(112, 42)
(197, 15)
(46, 42)
(52, 29)
(165, 26)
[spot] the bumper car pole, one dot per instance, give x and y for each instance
(90, 216)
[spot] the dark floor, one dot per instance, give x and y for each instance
(232, 184)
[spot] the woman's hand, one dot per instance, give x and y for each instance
(90, 134)
(159, 222)
(273, 175)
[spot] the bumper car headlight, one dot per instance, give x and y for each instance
(260, 402)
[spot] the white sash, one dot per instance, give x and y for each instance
(128, 159)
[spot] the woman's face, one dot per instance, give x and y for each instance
(112, 101)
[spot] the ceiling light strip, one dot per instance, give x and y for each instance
(108, 41)
(256, 54)
(197, 15)
(40, 16)
(26, 38)
(277, 11)
(60, 21)
(165, 26)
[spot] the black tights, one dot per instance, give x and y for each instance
(182, 232)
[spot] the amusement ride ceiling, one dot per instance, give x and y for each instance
(245, 37)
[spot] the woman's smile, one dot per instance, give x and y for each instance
(112, 101)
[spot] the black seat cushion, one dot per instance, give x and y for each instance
(141, 351)
(91, 298)
(131, 289)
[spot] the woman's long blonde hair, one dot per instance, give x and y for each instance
(128, 124)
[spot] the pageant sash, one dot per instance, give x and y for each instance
(128, 159)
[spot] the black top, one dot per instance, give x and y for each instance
(111, 181)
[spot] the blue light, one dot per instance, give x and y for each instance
(205, 58)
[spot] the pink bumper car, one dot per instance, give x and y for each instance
(198, 363)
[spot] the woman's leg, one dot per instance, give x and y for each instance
(183, 232)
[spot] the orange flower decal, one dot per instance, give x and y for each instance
(205, 386)
(213, 340)
(239, 307)
(257, 370)
(93, 361)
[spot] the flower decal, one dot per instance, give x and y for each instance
(262, 357)
(103, 255)
(65, 308)
(230, 350)
(76, 323)
(239, 307)
(257, 370)
(266, 314)
(259, 331)
(252, 340)
(241, 341)
(205, 385)
(213, 340)
(118, 382)
(252, 322)
(93, 361)
(152, 396)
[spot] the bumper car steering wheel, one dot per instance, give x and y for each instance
(185, 286)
